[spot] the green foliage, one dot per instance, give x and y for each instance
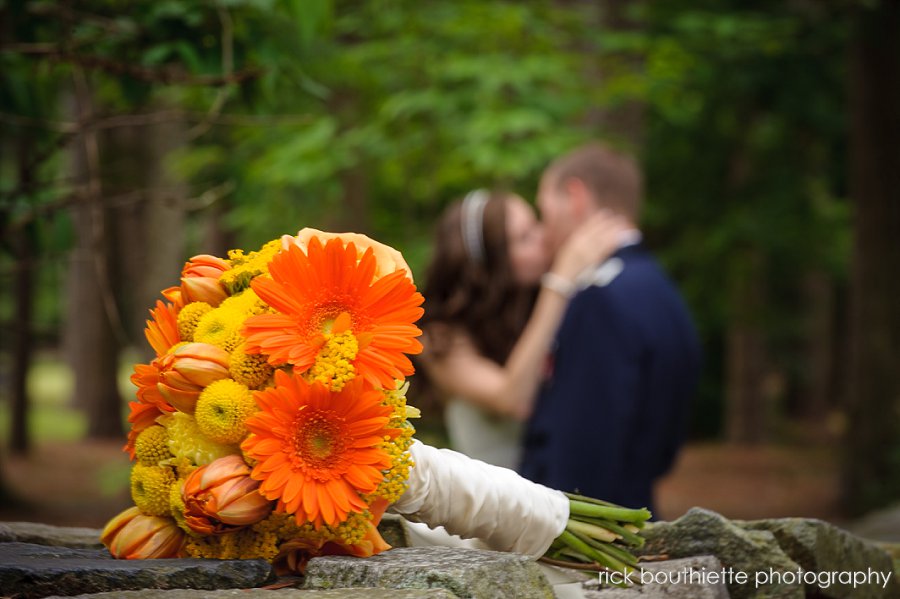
(373, 115)
(423, 102)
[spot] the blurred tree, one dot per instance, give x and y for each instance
(25, 153)
(113, 92)
(872, 467)
(93, 314)
(744, 130)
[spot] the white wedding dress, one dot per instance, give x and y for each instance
(481, 435)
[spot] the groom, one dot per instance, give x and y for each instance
(610, 416)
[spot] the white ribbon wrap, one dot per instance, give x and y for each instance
(476, 500)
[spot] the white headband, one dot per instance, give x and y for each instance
(472, 223)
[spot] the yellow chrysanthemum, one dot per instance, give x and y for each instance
(222, 409)
(183, 466)
(252, 370)
(246, 303)
(244, 267)
(186, 441)
(189, 316)
(261, 540)
(354, 528)
(220, 327)
(176, 506)
(150, 487)
(213, 546)
(395, 481)
(152, 446)
(282, 524)
(334, 363)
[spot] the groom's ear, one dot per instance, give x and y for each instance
(581, 202)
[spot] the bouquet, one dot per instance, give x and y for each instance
(273, 423)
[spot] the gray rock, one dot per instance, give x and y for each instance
(275, 594)
(882, 525)
(700, 577)
(28, 570)
(468, 573)
(823, 548)
(44, 534)
(755, 552)
(393, 531)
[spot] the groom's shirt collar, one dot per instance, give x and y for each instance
(629, 237)
(604, 274)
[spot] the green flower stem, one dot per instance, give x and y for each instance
(605, 512)
(585, 499)
(578, 543)
(600, 533)
(628, 537)
(575, 556)
(617, 551)
(591, 530)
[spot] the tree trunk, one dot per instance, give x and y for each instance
(746, 411)
(817, 392)
(215, 239)
(93, 323)
(872, 467)
(24, 244)
(148, 232)
(623, 123)
(164, 214)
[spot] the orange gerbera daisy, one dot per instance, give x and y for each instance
(162, 330)
(146, 379)
(142, 416)
(334, 319)
(318, 451)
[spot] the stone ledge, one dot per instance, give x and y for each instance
(28, 570)
(778, 547)
(66, 561)
(467, 573)
(45, 534)
(668, 582)
(273, 594)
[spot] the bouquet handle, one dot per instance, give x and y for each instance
(473, 499)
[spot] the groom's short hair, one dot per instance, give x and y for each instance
(613, 179)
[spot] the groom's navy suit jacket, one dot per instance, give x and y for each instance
(611, 414)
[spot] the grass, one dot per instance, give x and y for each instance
(52, 416)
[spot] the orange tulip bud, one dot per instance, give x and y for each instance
(187, 369)
(132, 535)
(205, 265)
(200, 280)
(221, 497)
(173, 294)
(203, 289)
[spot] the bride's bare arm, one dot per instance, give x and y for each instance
(510, 388)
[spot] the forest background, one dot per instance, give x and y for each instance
(134, 134)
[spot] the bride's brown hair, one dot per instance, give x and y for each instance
(476, 294)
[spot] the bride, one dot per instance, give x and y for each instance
(492, 308)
